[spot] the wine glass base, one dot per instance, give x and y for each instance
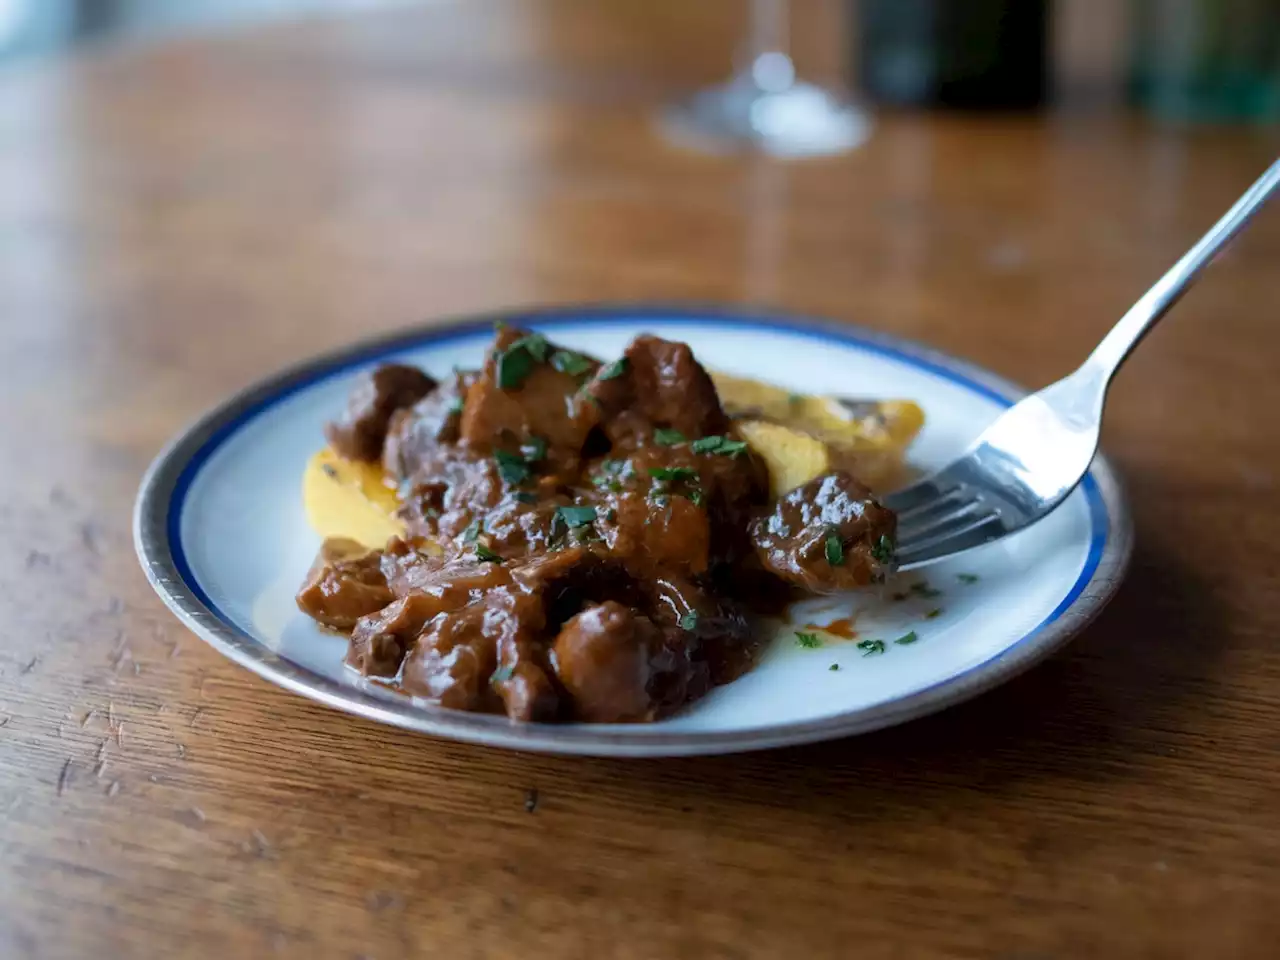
(801, 120)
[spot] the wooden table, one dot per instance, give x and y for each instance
(175, 223)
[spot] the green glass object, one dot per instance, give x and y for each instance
(1207, 60)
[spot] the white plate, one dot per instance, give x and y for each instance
(221, 534)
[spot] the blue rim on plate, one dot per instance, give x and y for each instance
(162, 497)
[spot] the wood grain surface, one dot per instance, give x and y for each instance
(179, 221)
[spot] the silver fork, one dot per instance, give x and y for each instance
(1028, 461)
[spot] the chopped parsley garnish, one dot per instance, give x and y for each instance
(485, 555)
(672, 474)
(871, 647)
(809, 641)
(513, 367)
(535, 344)
(576, 516)
(695, 496)
(502, 674)
(720, 445)
(534, 449)
(922, 589)
(969, 578)
(794, 399)
(689, 621)
(559, 531)
(883, 550)
(610, 471)
(455, 406)
(522, 497)
(469, 535)
(613, 370)
(906, 639)
(574, 364)
(834, 549)
(666, 437)
(933, 614)
(834, 666)
(587, 534)
(511, 467)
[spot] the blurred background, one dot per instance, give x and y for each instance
(1178, 60)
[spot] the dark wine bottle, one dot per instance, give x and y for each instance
(962, 54)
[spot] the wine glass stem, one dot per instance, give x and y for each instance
(768, 32)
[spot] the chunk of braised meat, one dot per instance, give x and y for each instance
(359, 433)
(379, 640)
(344, 584)
(827, 536)
(611, 661)
(668, 508)
(453, 581)
(484, 656)
(713, 628)
(464, 497)
(524, 393)
(657, 383)
(414, 433)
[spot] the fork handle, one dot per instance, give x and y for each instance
(1155, 303)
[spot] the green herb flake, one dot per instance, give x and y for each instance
(810, 641)
(968, 578)
(535, 344)
(469, 535)
(534, 449)
(922, 589)
(665, 437)
(933, 614)
(672, 474)
(613, 370)
(695, 496)
(689, 621)
(511, 467)
(795, 399)
(719, 445)
(485, 555)
(871, 647)
(574, 364)
(707, 444)
(907, 639)
(513, 368)
(522, 497)
(576, 516)
(502, 674)
(834, 667)
(587, 534)
(883, 550)
(834, 549)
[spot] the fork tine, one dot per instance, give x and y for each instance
(927, 513)
(952, 540)
(937, 522)
(918, 494)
